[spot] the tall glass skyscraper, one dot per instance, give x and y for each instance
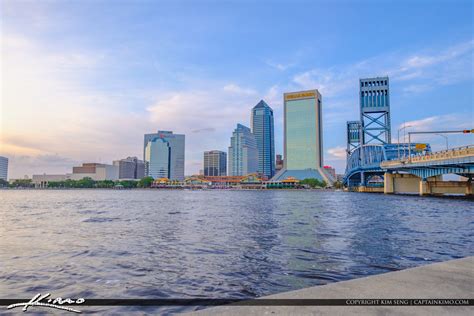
(215, 163)
(263, 129)
(3, 168)
(303, 136)
(164, 155)
(243, 153)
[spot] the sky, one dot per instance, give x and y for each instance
(82, 81)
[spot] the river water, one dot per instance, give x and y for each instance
(215, 244)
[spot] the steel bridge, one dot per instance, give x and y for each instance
(452, 161)
(364, 162)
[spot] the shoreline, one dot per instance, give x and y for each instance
(452, 279)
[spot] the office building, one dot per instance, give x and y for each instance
(3, 168)
(243, 153)
(263, 130)
(303, 136)
(215, 163)
(95, 171)
(164, 155)
(279, 163)
(130, 168)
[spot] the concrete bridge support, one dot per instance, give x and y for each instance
(408, 183)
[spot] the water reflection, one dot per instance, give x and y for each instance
(152, 244)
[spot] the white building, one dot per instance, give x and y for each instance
(42, 180)
(3, 168)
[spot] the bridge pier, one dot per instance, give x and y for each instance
(408, 183)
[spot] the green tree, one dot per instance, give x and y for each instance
(128, 184)
(313, 183)
(22, 183)
(145, 182)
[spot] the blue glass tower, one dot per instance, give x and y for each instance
(243, 153)
(263, 129)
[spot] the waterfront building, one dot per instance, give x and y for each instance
(42, 180)
(243, 153)
(303, 136)
(95, 171)
(279, 163)
(330, 172)
(164, 155)
(215, 163)
(130, 168)
(3, 168)
(263, 130)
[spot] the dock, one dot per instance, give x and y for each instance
(452, 279)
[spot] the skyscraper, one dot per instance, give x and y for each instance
(3, 168)
(263, 130)
(164, 155)
(130, 168)
(215, 163)
(303, 136)
(243, 153)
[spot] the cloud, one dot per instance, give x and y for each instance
(204, 130)
(420, 72)
(47, 108)
(190, 112)
(439, 123)
(279, 66)
(235, 89)
(337, 153)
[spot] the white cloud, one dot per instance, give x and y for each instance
(337, 153)
(233, 88)
(47, 111)
(279, 66)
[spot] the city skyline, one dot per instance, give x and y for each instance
(69, 99)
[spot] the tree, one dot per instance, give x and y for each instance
(3, 183)
(313, 183)
(128, 184)
(145, 182)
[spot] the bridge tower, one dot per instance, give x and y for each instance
(353, 136)
(375, 111)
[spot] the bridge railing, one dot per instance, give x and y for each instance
(439, 155)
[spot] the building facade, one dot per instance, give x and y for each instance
(264, 132)
(215, 163)
(3, 168)
(303, 136)
(95, 171)
(243, 153)
(279, 163)
(164, 155)
(130, 168)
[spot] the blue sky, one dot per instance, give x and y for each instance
(84, 80)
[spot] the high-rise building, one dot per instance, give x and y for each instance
(243, 153)
(130, 168)
(263, 130)
(215, 163)
(3, 168)
(303, 136)
(279, 163)
(164, 155)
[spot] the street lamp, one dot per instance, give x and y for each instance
(399, 130)
(446, 138)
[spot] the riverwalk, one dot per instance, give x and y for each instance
(452, 279)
